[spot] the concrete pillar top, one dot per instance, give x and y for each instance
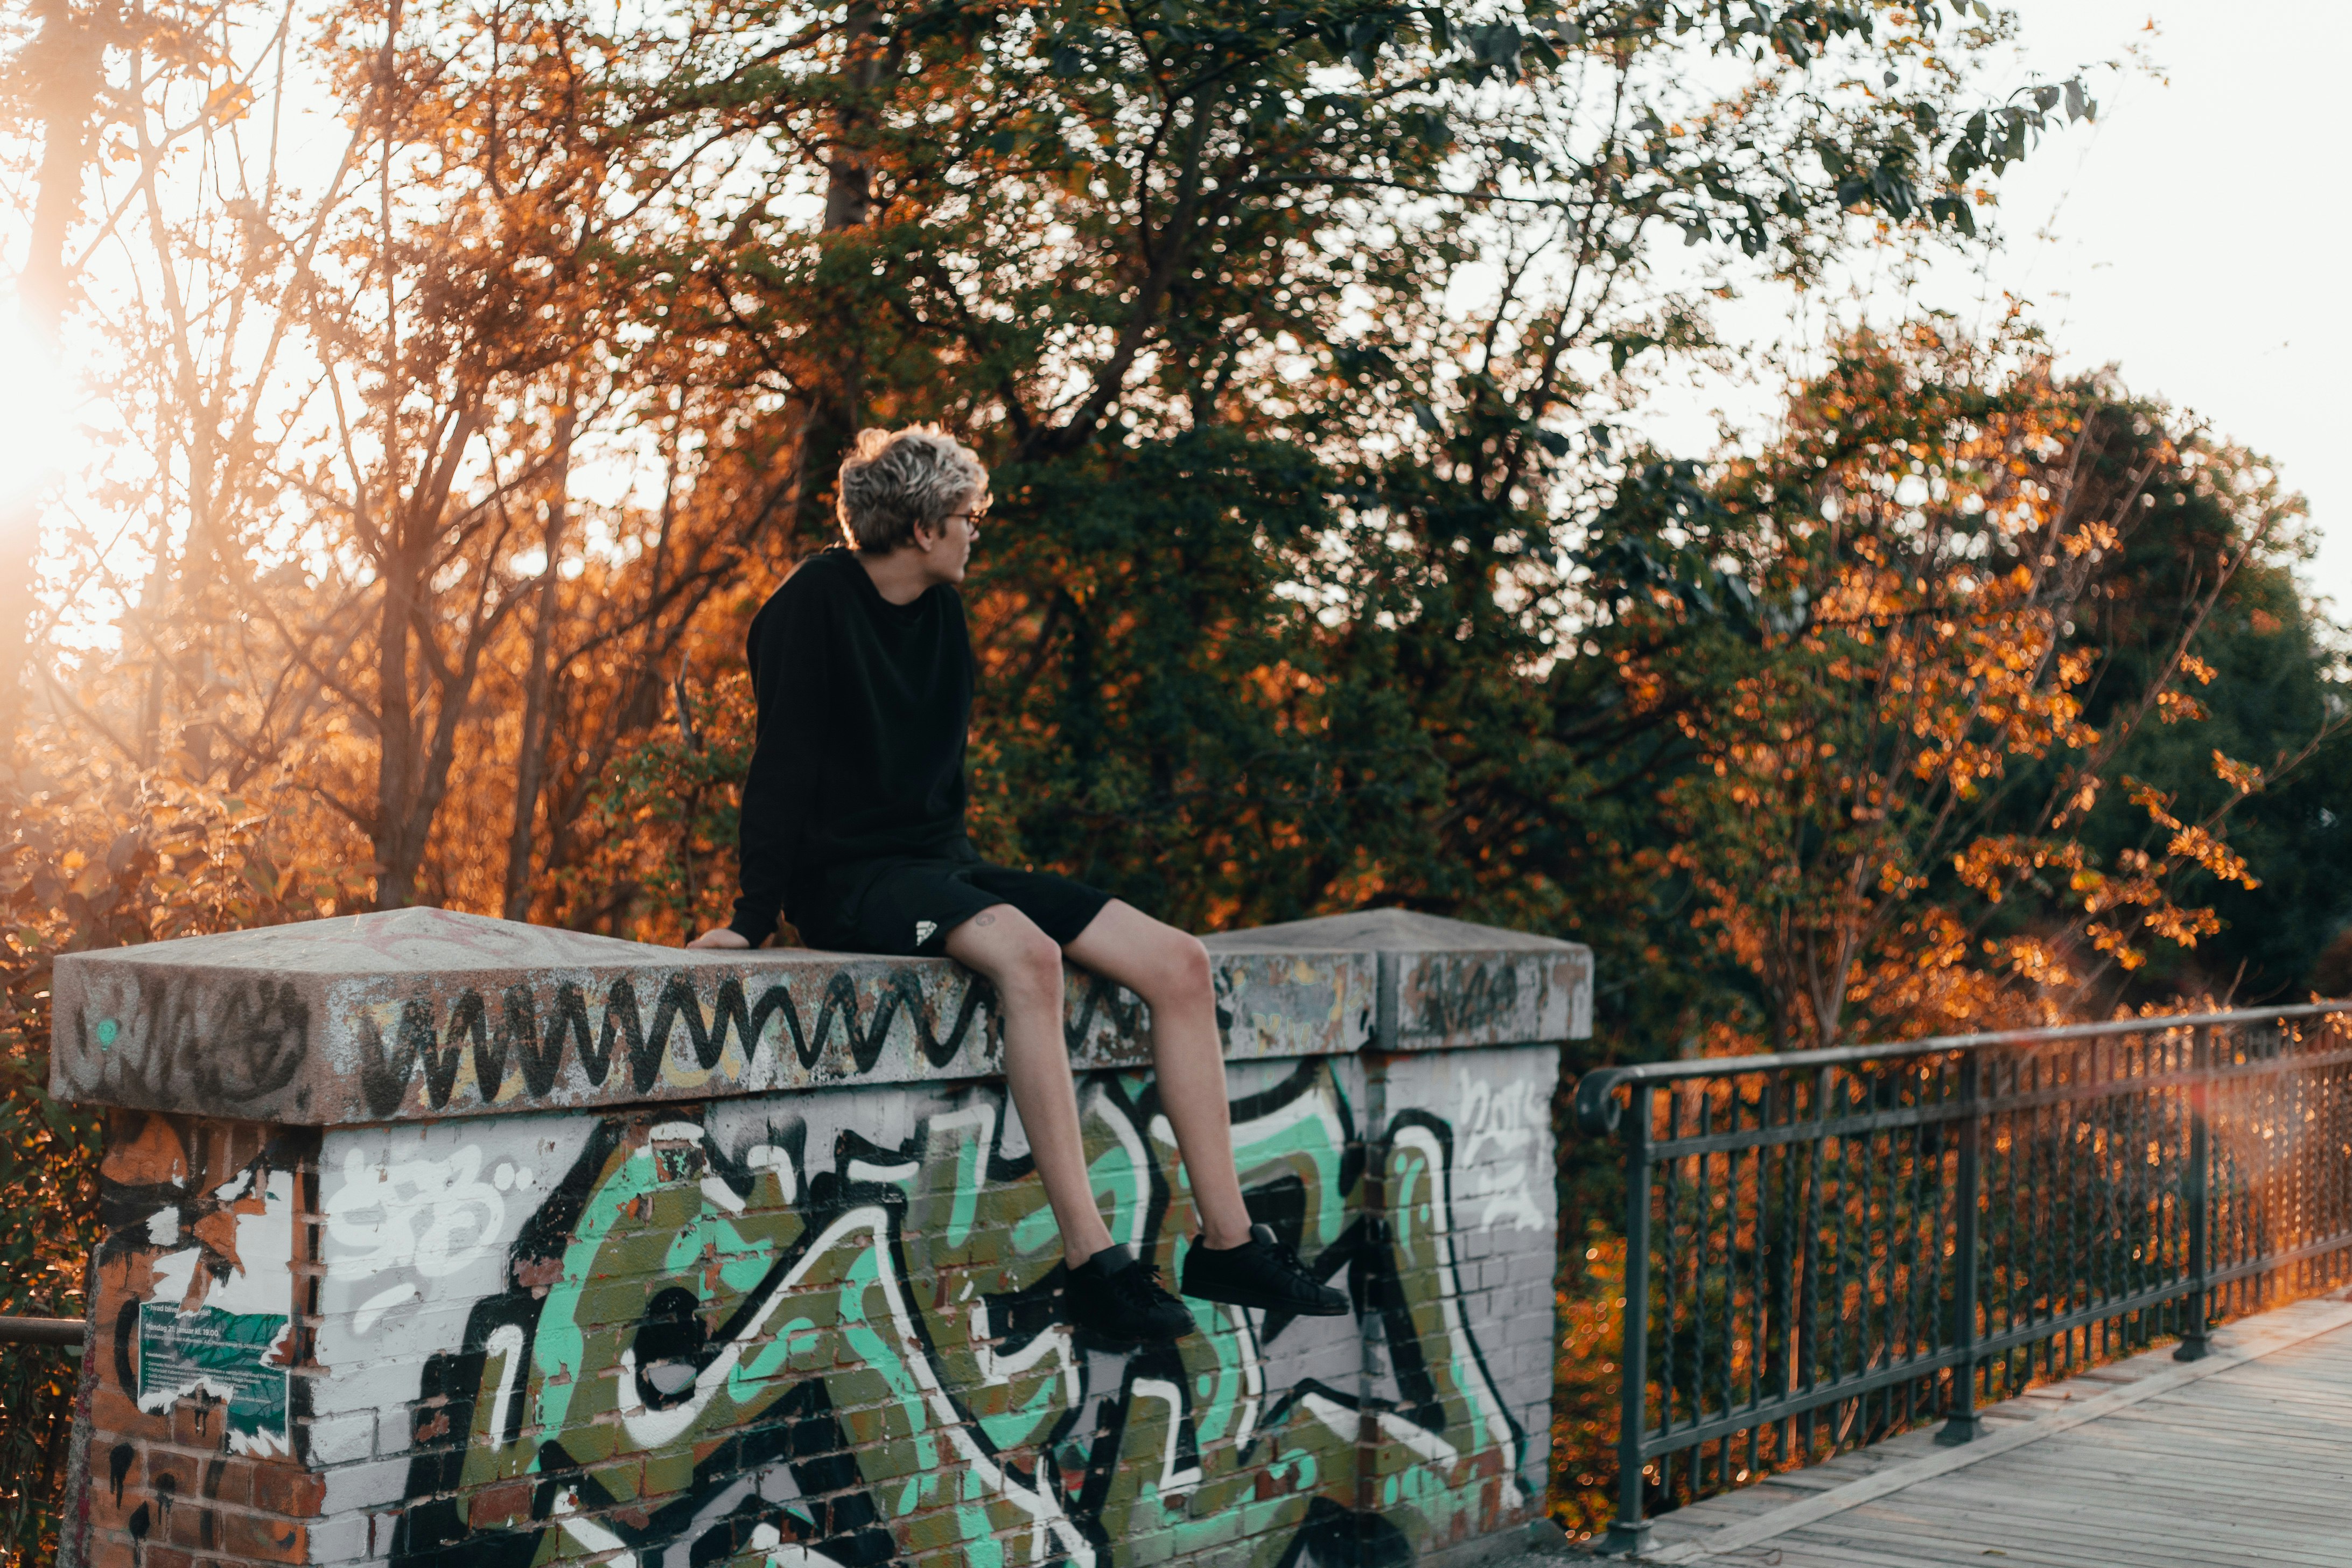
(426, 1014)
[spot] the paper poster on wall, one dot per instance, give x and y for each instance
(228, 1355)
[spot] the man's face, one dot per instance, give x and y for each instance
(948, 552)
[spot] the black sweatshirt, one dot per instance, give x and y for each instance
(864, 705)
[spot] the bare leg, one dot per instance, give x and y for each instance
(1169, 969)
(1025, 967)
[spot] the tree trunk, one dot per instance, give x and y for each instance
(397, 740)
(834, 407)
(66, 58)
(530, 766)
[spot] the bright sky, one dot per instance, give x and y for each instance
(2195, 236)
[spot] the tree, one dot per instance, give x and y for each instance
(1910, 801)
(1094, 240)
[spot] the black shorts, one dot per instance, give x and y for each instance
(906, 907)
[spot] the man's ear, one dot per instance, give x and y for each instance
(927, 538)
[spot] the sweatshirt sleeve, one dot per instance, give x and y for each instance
(788, 652)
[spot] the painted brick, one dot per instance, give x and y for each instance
(835, 1283)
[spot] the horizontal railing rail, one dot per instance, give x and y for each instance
(1826, 1247)
(42, 1331)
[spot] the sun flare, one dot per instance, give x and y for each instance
(38, 439)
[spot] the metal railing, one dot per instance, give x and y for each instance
(1825, 1247)
(42, 1331)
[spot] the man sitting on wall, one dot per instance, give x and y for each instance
(853, 825)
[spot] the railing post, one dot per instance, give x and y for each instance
(2196, 1193)
(1964, 1423)
(1629, 1533)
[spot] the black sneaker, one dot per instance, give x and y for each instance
(1260, 1272)
(1117, 1300)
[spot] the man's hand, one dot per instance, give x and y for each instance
(724, 937)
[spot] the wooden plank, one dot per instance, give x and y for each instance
(1964, 1533)
(2131, 1507)
(2210, 1438)
(2294, 1494)
(2151, 1378)
(2098, 1540)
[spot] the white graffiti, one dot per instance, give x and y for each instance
(1173, 1482)
(435, 1216)
(1511, 1116)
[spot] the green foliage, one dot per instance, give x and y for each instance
(49, 1153)
(664, 821)
(1158, 705)
(164, 860)
(2261, 690)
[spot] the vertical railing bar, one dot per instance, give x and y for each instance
(1760, 1262)
(2195, 1196)
(2184, 1060)
(1844, 1361)
(1730, 1295)
(2115, 1332)
(1916, 1262)
(1878, 1238)
(1914, 1269)
(2052, 1145)
(2070, 1269)
(1730, 1276)
(1747, 1215)
(1878, 1220)
(2097, 1112)
(1809, 1346)
(2143, 1237)
(1946, 1141)
(1965, 1423)
(1927, 1305)
(1670, 1273)
(1702, 1243)
(1629, 1533)
(2121, 1179)
(2111, 1219)
(2245, 1186)
(1733, 1195)
(2042, 1223)
(2072, 1272)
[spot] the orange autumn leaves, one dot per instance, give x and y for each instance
(1887, 829)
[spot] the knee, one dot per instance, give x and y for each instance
(1181, 970)
(1033, 967)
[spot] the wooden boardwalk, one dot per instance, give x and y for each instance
(2244, 1457)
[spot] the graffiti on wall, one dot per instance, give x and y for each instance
(816, 1331)
(823, 1330)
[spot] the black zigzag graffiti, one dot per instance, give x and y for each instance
(518, 1041)
(1124, 1012)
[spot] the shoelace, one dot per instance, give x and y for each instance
(1287, 1257)
(1139, 1285)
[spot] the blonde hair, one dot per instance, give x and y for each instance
(894, 481)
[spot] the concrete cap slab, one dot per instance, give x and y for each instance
(1388, 930)
(1447, 984)
(433, 1012)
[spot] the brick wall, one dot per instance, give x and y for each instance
(815, 1329)
(191, 1385)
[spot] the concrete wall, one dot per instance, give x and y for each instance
(818, 1327)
